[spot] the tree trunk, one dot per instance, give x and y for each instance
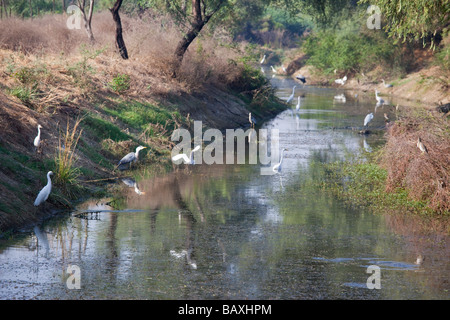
(183, 45)
(87, 17)
(31, 9)
(200, 19)
(119, 38)
(64, 6)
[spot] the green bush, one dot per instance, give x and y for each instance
(120, 83)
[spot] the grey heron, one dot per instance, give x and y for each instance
(291, 97)
(421, 146)
(45, 192)
(131, 157)
(277, 167)
(185, 158)
(37, 140)
(367, 119)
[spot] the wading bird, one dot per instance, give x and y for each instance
(297, 107)
(37, 140)
(185, 158)
(379, 99)
(367, 119)
(263, 59)
(45, 192)
(273, 69)
(291, 97)
(421, 146)
(131, 157)
(277, 167)
(388, 85)
(251, 119)
(341, 81)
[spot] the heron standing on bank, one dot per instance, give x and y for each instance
(131, 157)
(45, 192)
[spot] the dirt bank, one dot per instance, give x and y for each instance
(112, 124)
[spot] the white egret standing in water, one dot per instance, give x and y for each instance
(291, 97)
(277, 167)
(379, 99)
(367, 119)
(45, 192)
(37, 140)
(263, 59)
(297, 107)
(185, 158)
(131, 157)
(273, 69)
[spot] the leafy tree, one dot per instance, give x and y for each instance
(414, 20)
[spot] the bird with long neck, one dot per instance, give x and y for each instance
(277, 167)
(291, 97)
(131, 157)
(45, 192)
(37, 140)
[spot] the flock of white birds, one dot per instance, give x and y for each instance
(133, 156)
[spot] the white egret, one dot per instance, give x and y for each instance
(251, 119)
(263, 59)
(297, 107)
(379, 99)
(291, 97)
(388, 85)
(131, 157)
(284, 69)
(45, 192)
(367, 119)
(277, 167)
(421, 146)
(185, 158)
(273, 69)
(37, 140)
(341, 81)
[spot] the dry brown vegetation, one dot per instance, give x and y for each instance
(424, 175)
(151, 42)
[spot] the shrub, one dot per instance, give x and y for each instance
(120, 83)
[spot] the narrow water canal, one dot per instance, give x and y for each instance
(228, 232)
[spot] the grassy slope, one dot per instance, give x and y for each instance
(51, 89)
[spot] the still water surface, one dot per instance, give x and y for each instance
(227, 232)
